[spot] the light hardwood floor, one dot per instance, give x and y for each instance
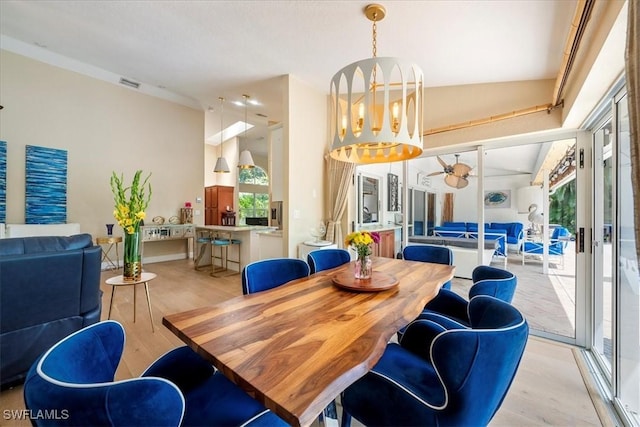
(548, 389)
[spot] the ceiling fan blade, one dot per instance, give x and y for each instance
(442, 162)
(461, 169)
(462, 182)
(435, 173)
(451, 181)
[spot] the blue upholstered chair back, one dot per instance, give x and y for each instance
(270, 273)
(325, 259)
(477, 365)
(73, 380)
(442, 373)
(429, 253)
(494, 282)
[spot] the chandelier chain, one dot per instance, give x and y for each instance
(375, 33)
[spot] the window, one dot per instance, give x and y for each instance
(253, 196)
(256, 176)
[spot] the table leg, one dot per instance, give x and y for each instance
(329, 416)
(134, 304)
(113, 291)
(146, 288)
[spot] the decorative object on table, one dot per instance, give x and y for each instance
(318, 231)
(109, 229)
(158, 220)
(130, 206)
(377, 282)
(392, 182)
(186, 214)
(174, 220)
(361, 242)
(497, 199)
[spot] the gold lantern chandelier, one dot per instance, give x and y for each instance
(377, 107)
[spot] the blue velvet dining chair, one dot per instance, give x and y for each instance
(270, 273)
(325, 259)
(429, 253)
(487, 280)
(73, 383)
(442, 373)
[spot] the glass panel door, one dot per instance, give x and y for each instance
(628, 279)
(602, 246)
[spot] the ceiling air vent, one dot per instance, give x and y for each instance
(129, 83)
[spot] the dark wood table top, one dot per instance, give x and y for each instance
(298, 346)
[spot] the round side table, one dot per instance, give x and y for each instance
(111, 241)
(119, 281)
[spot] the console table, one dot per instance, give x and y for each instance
(161, 233)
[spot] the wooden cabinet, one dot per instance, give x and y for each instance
(387, 246)
(216, 200)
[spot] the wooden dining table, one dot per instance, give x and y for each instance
(296, 347)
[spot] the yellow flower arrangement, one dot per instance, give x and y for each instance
(362, 241)
(130, 208)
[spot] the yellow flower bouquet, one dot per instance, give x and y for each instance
(361, 242)
(130, 209)
(130, 206)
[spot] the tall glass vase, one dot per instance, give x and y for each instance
(132, 256)
(363, 268)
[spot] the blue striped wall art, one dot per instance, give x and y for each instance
(46, 185)
(3, 181)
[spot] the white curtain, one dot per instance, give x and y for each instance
(339, 176)
(633, 98)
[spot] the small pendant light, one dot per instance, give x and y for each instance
(221, 163)
(245, 161)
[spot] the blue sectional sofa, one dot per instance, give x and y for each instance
(49, 288)
(514, 232)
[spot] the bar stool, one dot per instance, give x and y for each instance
(222, 240)
(204, 239)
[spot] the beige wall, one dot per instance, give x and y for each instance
(452, 105)
(305, 141)
(104, 128)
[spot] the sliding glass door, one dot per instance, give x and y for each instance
(602, 248)
(616, 280)
(627, 351)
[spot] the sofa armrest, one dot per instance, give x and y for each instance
(90, 286)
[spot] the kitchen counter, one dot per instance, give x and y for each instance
(248, 250)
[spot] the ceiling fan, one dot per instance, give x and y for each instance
(456, 174)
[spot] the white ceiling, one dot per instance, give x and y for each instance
(201, 50)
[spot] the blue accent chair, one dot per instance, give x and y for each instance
(443, 375)
(325, 259)
(557, 244)
(74, 381)
(487, 280)
(429, 253)
(270, 273)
